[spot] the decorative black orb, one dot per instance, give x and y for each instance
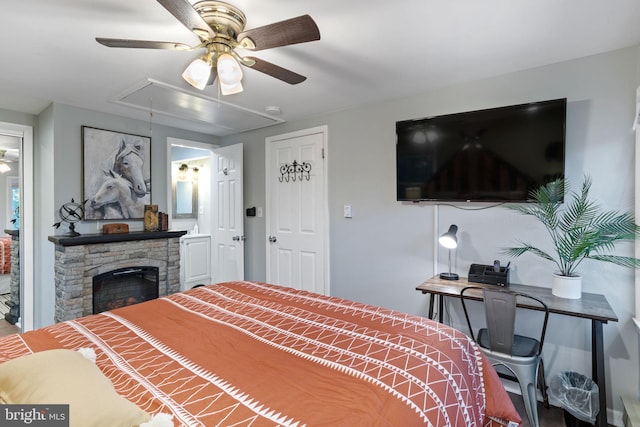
(70, 212)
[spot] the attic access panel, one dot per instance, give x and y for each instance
(170, 101)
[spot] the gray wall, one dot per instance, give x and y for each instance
(387, 248)
(58, 178)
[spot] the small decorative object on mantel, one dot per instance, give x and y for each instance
(579, 229)
(115, 228)
(70, 212)
(163, 219)
(151, 218)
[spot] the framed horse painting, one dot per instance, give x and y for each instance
(116, 174)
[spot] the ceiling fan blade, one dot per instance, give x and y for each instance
(188, 16)
(142, 44)
(291, 31)
(276, 71)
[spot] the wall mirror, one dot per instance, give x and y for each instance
(185, 192)
(10, 232)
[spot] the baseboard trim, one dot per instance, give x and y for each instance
(631, 415)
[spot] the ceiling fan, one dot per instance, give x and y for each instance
(220, 28)
(7, 156)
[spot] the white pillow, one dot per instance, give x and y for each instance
(67, 377)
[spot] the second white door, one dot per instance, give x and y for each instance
(296, 212)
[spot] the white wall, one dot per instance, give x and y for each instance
(386, 249)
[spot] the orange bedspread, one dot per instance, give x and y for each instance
(251, 354)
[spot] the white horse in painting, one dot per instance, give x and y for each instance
(117, 190)
(128, 162)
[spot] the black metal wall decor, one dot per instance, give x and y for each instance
(71, 212)
(295, 171)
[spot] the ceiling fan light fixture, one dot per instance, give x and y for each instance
(220, 27)
(231, 89)
(229, 74)
(197, 74)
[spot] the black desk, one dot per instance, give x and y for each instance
(594, 307)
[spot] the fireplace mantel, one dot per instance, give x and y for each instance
(78, 259)
(88, 239)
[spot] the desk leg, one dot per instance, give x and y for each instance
(597, 367)
(432, 299)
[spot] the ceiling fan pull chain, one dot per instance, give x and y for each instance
(151, 117)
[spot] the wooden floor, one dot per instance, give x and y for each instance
(552, 417)
(547, 417)
(6, 328)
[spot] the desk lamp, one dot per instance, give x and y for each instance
(449, 241)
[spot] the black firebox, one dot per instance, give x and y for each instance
(124, 286)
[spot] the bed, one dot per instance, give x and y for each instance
(255, 354)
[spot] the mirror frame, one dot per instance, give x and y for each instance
(194, 200)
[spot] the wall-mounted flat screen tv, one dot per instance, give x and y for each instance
(493, 155)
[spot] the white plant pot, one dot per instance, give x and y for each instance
(567, 286)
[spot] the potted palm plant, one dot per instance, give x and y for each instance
(579, 230)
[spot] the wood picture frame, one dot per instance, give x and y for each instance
(116, 174)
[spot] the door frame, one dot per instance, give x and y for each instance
(27, 245)
(171, 141)
(186, 143)
(324, 130)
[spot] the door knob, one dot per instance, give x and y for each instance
(238, 238)
(272, 239)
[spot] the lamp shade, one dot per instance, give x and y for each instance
(198, 73)
(229, 74)
(449, 239)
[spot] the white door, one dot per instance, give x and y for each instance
(228, 229)
(297, 218)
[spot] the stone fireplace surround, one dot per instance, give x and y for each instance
(78, 259)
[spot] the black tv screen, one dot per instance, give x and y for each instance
(493, 155)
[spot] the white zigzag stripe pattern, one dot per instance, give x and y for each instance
(378, 357)
(167, 363)
(434, 370)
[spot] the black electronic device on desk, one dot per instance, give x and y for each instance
(490, 274)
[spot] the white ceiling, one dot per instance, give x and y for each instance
(369, 51)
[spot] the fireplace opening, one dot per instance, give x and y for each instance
(123, 287)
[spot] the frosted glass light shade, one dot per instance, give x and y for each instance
(197, 73)
(229, 74)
